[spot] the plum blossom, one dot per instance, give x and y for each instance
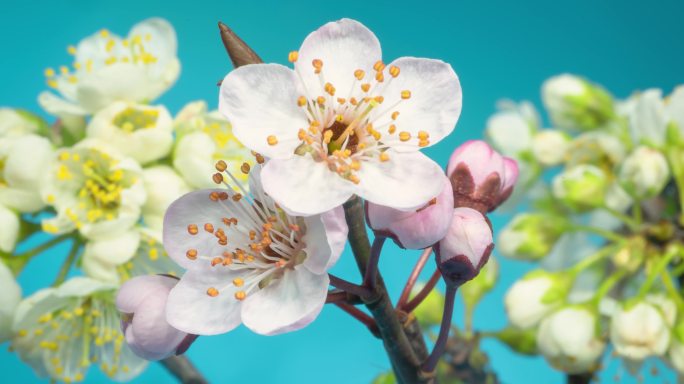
(107, 68)
(247, 260)
(343, 122)
(142, 301)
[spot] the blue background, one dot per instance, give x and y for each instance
(498, 48)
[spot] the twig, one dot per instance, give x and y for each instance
(183, 370)
(370, 277)
(349, 286)
(66, 266)
(338, 295)
(360, 316)
(417, 269)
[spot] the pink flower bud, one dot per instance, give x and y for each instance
(142, 302)
(466, 247)
(481, 178)
(415, 229)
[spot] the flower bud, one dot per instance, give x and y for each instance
(466, 247)
(9, 222)
(549, 146)
(163, 186)
(676, 351)
(644, 173)
(510, 131)
(10, 296)
(531, 236)
(641, 330)
(533, 297)
(481, 178)
(575, 103)
(142, 302)
(416, 229)
(16, 122)
(581, 187)
(482, 284)
(568, 340)
(522, 341)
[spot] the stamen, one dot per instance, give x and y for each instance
(404, 136)
(192, 229)
(406, 94)
(301, 101)
(318, 65)
(394, 70)
(359, 74)
(272, 140)
(191, 254)
(218, 179)
(209, 227)
(293, 56)
(240, 295)
(213, 292)
(221, 166)
(245, 168)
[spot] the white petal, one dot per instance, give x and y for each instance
(288, 304)
(196, 208)
(434, 105)
(190, 309)
(80, 286)
(675, 107)
(193, 159)
(9, 221)
(343, 46)
(59, 107)
(9, 300)
(260, 100)
(304, 187)
(406, 181)
(648, 118)
(134, 291)
(163, 186)
(101, 257)
(161, 35)
(325, 238)
(26, 162)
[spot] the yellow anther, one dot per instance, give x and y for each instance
(423, 143)
(153, 254)
(272, 140)
(213, 292)
(238, 282)
(244, 168)
(191, 254)
(64, 156)
(365, 87)
(379, 99)
(209, 227)
(318, 65)
(52, 83)
(327, 136)
(359, 74)
(104, 33)
(384, 156)
(221, 166)
(379, 65)
(406, 94)
(379, 77)
(216, 261)
(404, 136)
(341, 100)
(392, 129)
(71, 50)
(422, 135)
(339, 118)
(395, 114)
(64, 70)
(355, 165)
(353, 101)
(293, 56)
(301, 134)
(329, 89)
(218, 179)
(77, 65)
(320, 100)
(240, 295)
(49, 72)
(72, 79)
(394, 71)
(354, 179)
(301, 101)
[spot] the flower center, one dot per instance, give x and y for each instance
(256, 237)
(342, 131)
(134, 50)
(131, 119)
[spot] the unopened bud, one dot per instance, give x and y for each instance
(575, 103)
(644, 173)
(549, 146)
(466, 246)
(535, 296)
(581, 187)
(531, 236)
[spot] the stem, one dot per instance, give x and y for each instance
(670, 287)
(662, 264)
(348, 286)
(17, 262)
(590, 260)
(607, 285)
(370, 277)
(335, 296)
(182, 368)
(429, 286)
(437, 351)
(360, 316)
(66, 266)
(631, 223)
(417, 269)
(404, 358)
(608, 235)
(637, 213)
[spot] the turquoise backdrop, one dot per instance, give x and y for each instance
(498, 48)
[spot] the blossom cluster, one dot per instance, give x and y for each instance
(603, 191)
(100, 176)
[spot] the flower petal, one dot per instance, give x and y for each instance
(134, 291)
(325, 238)
(196, 208)
(260, 101)
(9, 221)
(406, 181)
(434, 105)
(288, 304)
(190, 309)
(343, 46)
(304, 187)
(101, 257)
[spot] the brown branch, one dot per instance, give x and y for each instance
(183, 370)
(338, 295)
(359, 315)
(404, 359)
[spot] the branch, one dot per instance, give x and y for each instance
(403, 357)
(579, 378)
(417, 269)
(183, 370)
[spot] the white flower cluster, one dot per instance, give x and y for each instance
(101, 176)
(605, 186)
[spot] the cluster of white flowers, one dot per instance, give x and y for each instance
(100, 176)
(606, 228)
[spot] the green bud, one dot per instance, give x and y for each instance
(597, 148)
(549, 146)
(582, 187)
(644, 173)
(475, 289)
(531, 236)
(523, 341)
(631, 256)
(429, 311)
(575, 103)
